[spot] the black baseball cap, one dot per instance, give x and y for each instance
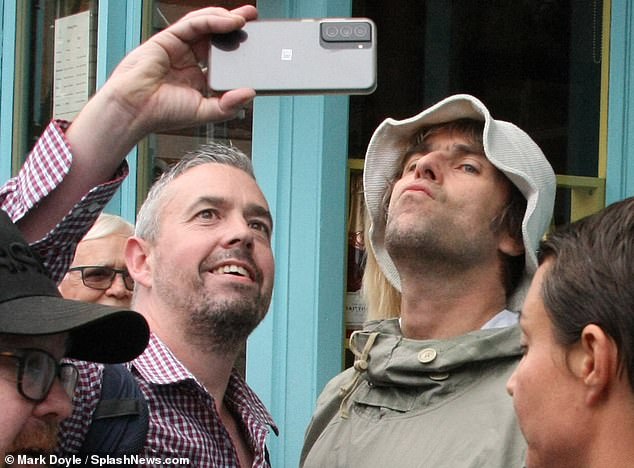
(30, 304)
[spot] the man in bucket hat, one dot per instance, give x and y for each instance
(37, 328)
(458, 202)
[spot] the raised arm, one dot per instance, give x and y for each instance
(160, 85)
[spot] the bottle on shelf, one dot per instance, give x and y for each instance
(355, 308)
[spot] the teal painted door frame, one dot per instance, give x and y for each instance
(119, 31)
(620, 170)
(7, 69)
(300, 162)
(300, 159)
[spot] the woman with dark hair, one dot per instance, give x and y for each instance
(573, 390)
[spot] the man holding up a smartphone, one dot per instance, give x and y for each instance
(158, 86)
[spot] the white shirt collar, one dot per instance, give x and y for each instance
(506, 318)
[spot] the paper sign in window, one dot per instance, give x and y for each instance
(73, 74)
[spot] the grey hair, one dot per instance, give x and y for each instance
(148, 219)
(108, 224)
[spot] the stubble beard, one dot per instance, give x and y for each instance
(34, 441)
(224, 325)
(437, 245)
(214, 324)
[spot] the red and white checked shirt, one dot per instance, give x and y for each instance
(184, 422)
(44, 169)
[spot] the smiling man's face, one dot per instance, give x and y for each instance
(212, 261)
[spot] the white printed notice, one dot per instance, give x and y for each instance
(74, 64)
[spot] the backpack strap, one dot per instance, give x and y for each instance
(120, 421)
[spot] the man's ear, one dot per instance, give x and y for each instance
(510, 246)
(137, 258)
(595, 361)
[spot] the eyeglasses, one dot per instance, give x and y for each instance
(37, 371)
(101, 277)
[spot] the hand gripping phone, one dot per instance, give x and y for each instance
(296, 56)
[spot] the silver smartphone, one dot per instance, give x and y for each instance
(296, 56)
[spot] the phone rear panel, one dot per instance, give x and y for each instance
(304, 56)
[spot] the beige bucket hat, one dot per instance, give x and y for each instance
(506, 146)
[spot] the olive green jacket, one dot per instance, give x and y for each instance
(412, 403)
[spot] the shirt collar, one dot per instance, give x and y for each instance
(158, 365)
(506, 318)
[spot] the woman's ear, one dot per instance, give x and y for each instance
(594, 360)
(138, 260)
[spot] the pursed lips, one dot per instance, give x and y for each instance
(418, 188)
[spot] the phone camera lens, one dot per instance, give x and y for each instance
(332, 31)
(346, 31)
(360, 31)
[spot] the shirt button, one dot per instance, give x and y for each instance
(427, 355)
(94, 207)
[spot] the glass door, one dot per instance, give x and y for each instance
(56, 44)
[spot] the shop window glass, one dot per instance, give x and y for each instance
(56, 27)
